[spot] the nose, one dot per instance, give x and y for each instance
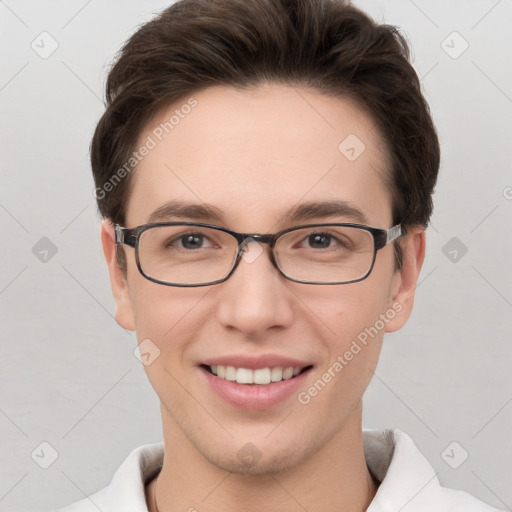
(256, 297)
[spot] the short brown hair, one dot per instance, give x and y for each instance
(328, 45)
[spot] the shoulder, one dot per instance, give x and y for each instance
(127, 488)
(407, 480)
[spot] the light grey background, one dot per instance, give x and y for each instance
(68, 373)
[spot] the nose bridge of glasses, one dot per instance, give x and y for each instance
(260, 239)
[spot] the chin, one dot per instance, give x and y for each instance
(249, 460)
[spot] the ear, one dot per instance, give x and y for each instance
(405, 280)
(124, 310)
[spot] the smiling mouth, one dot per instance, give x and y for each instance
(260, 376)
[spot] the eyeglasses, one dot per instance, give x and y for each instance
(195, 254)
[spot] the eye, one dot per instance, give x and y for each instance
(319, 240)
(190, 241)
(325, 240)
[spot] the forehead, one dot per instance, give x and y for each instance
(256, 153)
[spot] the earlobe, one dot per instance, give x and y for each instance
(124, 310)
(406, 279)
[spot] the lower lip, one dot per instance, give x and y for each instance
(254, 397)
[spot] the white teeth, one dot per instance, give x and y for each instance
(287, 373)
(276, 374)
(260, 376)
(244, 376)
(230, 373)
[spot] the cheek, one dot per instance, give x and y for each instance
(353, 328)
(167, 323)
(169, 318)
(346, 312)
(360, 331)
(159, 309)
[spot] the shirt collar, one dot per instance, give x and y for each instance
(407, 480)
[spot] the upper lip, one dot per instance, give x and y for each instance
(255, 362)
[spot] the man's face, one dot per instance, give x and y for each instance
(255, 156)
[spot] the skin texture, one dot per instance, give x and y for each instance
(255, 154)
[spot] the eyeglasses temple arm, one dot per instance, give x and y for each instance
(394, 233)
(125, 236)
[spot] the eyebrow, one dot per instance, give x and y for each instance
(323, 209)
(300, 213)
(183, 210)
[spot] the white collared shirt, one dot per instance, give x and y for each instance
(408, 483)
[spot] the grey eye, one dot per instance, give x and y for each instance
(192, 241)
(319, 240)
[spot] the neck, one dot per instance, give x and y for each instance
(333, 478)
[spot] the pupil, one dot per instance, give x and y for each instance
(192, 241)
(319, 241)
